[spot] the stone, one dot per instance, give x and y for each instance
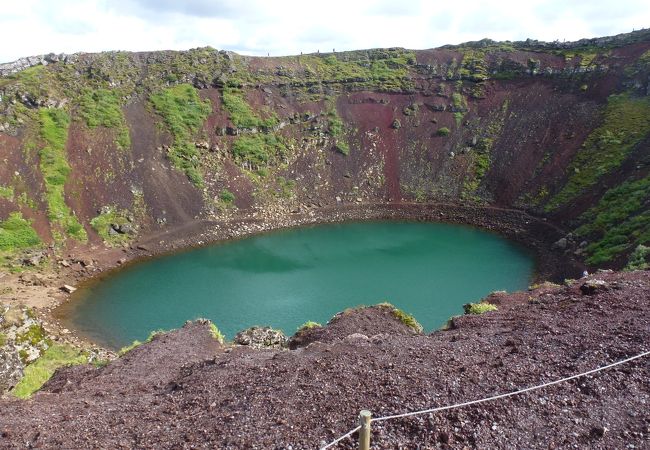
(593, 287)
(13, 317)
(33, 279)
(126, 228)
(261, 337)
(396, 125)
(67, 288)
(560, 244)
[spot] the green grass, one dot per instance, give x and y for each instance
(226, 196)
(33, 336)
(102, 225)
(286, 187)
(17, 233)
(41, 370)
(404, 317)
(443, 131)
(217, 334)
(257, 150)
(55, 169)
(183, 113)
(619, 222)
(479, 308)
(7, 192)
(124, 350)
(241, 114)
(343, 147)
(308, 326)
(626, 122)
(102, 107)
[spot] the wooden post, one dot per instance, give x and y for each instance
(364, 432)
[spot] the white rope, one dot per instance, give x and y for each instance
(346, 435)
(495, 397)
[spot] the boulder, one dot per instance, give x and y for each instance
(67, 288)
(593, 287)
(261, 337)
(560, 244)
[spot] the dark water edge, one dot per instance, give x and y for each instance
(286, 277)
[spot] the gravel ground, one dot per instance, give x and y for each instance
(185, 390)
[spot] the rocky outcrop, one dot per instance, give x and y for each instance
(7, 69)
(22, 341)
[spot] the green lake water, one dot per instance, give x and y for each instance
(285, 278)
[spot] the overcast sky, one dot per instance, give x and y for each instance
(282, 27)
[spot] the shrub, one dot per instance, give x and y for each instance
(444, 131)
(639, 258)
(479, 308)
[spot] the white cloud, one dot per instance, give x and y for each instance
(284, 27)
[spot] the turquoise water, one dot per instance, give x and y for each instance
(285, 278)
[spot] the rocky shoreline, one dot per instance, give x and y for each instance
(44, 290)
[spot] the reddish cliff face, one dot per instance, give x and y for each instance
(153, 141)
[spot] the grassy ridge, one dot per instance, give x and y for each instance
(626, 123)
(55, 169)
(184, 113)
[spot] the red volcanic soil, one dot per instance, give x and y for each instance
(184, 390)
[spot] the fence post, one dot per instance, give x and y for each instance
(364, 432)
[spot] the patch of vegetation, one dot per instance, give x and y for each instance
(308, 326)
(226, 196)
(257, 150)
(184, 113)
(3, 339)
(342, 147)
(124, 350)
(107, 221)
(216, 333)
(479, 308)
(102, 107)
(41, 370)
(286, 187)
(382, 69)
(7, 192)
(33, 336)
(241, 114)
(443, 131)
(639, 258)
(17, 233)
(619, 222)
(626, 122)
(474, 66)
(404, 317)
(55, 169)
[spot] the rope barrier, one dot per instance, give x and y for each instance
(495, 397)
(346, 435)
